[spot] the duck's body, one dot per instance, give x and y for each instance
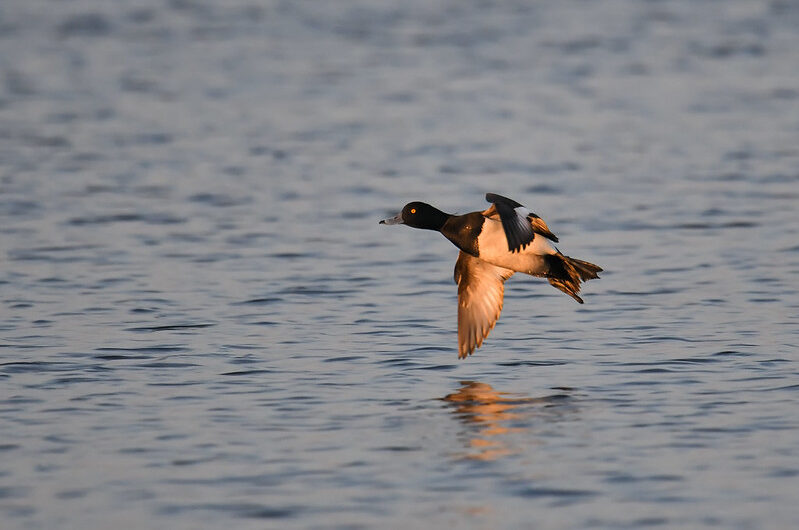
(490, 244)
(496, 243)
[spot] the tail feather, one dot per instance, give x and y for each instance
(566, 273)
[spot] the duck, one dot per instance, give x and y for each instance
(495, 244)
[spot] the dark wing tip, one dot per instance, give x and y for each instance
(495, 198)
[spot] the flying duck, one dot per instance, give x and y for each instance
(495, 243)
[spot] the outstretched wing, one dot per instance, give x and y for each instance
(481, 287)
(520, 224)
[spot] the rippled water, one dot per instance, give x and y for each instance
(203, 323)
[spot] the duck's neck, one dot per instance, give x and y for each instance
(436, 220)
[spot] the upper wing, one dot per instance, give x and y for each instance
(519, 223)
(481, 287)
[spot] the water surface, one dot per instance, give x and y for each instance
(203, 324)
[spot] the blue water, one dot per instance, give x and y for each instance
(202, 323)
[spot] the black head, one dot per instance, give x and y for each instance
(419, 215)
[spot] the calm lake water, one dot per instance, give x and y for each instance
(203, 325)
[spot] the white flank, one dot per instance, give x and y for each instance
(493, 247)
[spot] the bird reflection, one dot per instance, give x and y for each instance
(491, 416)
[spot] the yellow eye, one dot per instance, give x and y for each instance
(413, 210)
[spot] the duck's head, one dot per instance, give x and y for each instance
(419, 215)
